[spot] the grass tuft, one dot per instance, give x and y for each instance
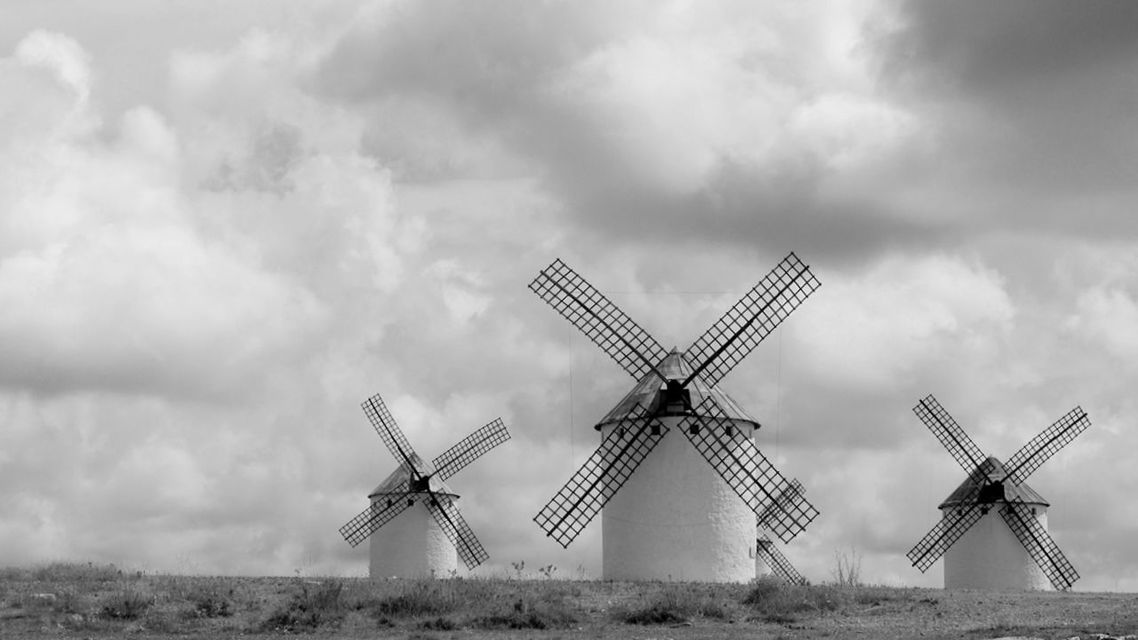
(677, 603)
(312, 606)
(127, 604)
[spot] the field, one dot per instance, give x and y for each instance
(92, 601)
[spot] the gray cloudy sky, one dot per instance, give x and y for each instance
(225, 223)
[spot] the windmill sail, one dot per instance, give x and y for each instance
(1039, 544)
(599, 319)
(469, 449)
(752, 318)
(779, 564)
(747, 471)
(602, 475)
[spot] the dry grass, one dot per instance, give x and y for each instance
(101, 601)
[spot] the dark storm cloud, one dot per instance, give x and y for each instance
(1036, 96)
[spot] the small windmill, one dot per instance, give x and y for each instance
(422, 527)
(689, 512)
(1014, 550)
(769, 560)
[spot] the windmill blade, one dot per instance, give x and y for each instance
(752, 318)
(959, 445)
(375, 516)
(450, 520)
(470, 449)
(952, 525)
(778, 562)
(1039, 545)
(602, 475)
(597, 317)
(388, 430)
(746, 470)
(1040, 448)
(789, 499)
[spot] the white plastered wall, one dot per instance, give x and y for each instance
(989, 556)
(412, 546)
(676, 519)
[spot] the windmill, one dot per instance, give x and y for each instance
(769, 560)
(689, 511)
(1014, 549)
(422, 529)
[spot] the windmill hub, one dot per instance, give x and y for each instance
(677, 399)
(420, 484)
(992, 492)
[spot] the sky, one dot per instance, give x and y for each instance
(223, 224)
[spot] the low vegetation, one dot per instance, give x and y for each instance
(102, 601)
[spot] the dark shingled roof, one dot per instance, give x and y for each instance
(651, 387)
(402, 474)
(994, 471)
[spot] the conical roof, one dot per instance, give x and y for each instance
(649, 392)
(392, 482)
(992, 471)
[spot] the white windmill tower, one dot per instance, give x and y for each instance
(688, 512)
(769, 560)
(423, 533)
(983, 550)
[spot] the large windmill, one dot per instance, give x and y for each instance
(422, 529)
(1011, 550)
(769, 560)
(688, 512)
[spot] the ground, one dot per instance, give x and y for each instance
(90, 601)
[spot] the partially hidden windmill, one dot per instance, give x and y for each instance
(769, 560)
(982, 549)
(422, 529)
(689, 511)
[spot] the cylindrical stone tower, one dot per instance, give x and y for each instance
(411, 545)
(990, 556)
(675, 518)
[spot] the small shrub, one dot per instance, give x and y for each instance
(677, 603)
(210, 603)
(418, 598)
(781, 603)
(125, 605)
(549, 612)
(311, 607)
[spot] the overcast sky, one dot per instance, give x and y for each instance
(223, 224)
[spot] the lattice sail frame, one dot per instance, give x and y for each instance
(732, 338)
(618, 335)
(454, 526)
(1040, 546)
(389, 431)
(441, 507)
(744, 468)
(469, 449)
(780, 565)
(604, 472)
(376, 515)
(1016, 513)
